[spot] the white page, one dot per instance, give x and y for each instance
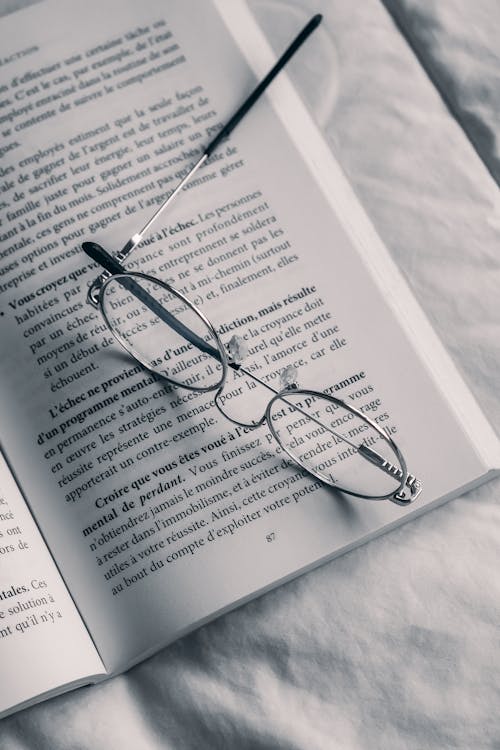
(292, 254)
(43, 642)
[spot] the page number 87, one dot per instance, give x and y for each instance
(271, 536)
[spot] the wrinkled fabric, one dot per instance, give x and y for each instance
(395, 645)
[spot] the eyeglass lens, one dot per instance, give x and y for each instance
(309, 427)
(162, 331)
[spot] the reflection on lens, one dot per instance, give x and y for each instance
(323, 436)
(162, 331)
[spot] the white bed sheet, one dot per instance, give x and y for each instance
(397, 644)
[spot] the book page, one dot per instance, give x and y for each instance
(43, 642)
(159, 511)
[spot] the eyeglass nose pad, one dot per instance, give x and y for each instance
(247, 425)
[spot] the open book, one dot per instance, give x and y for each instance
(130, 511)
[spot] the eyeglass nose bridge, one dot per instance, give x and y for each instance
(237, 422)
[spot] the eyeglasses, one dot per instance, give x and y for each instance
(171, 337)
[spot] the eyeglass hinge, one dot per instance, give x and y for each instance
(415, 487)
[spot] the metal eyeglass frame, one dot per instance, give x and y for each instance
(114, 270)
(131, 281)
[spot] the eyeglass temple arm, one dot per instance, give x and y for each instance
(221, 135)
(97, 253)
(230, 125)
(261, 87)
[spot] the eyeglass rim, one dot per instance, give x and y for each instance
(278, 396)
(353, 410)
(191, 305)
